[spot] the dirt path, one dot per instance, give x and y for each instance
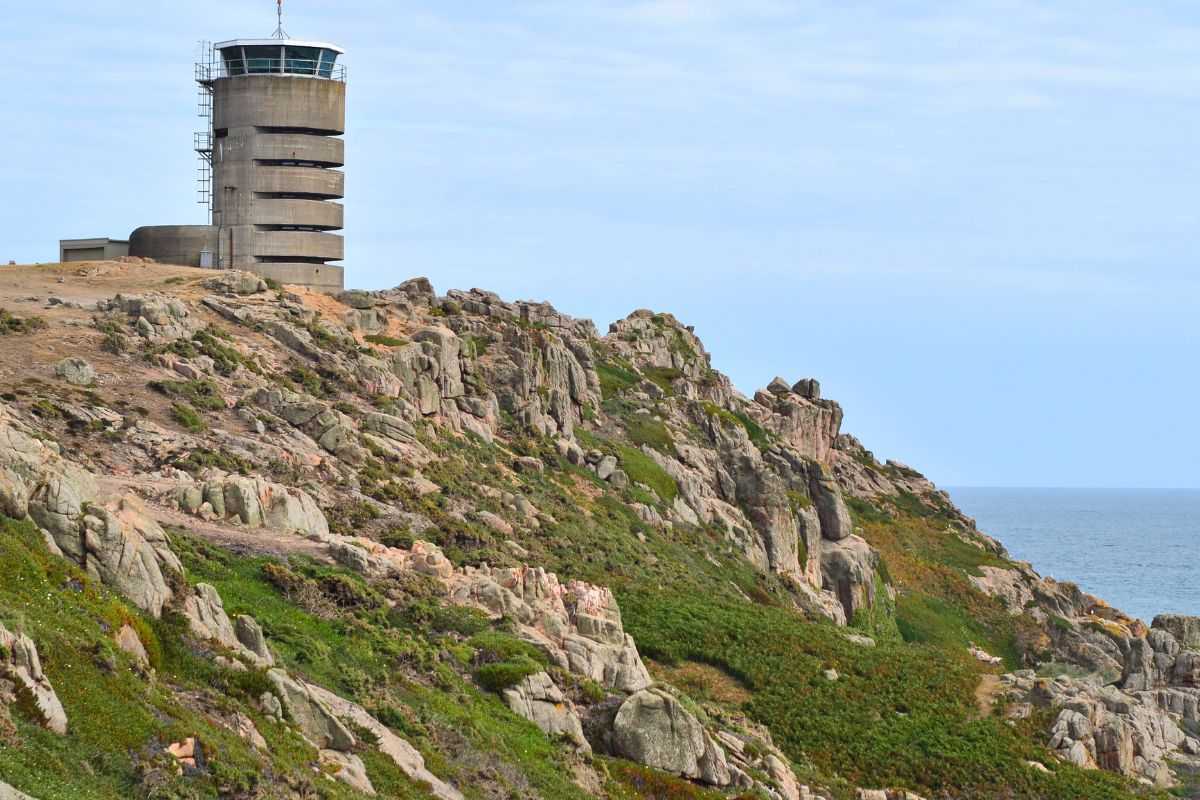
(986, 692)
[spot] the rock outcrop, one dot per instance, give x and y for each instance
(578, 625)
(117, 543)
(9, 793)
(76, 371)
(310, 713)
(254, 502)
(403, 754)
(652, 728)
(206, 616)
(798, 416)
(236, 283)
(156, 317)
(1134, 734)
(21, 665)
(1079, 628)
(538, 700)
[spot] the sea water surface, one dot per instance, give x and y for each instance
(1138, 549)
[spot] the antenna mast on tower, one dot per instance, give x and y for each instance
(280, 33)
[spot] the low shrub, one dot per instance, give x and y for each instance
(463, 620)
(641, 468)
(500, 675)
(652, 433)
(385, 341)
(10, 325)
(615, 379)
(203, 395)
(188, 418)
(492, 646)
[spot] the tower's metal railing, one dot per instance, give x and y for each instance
(216, 69)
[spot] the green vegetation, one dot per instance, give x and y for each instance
(188, 418)
(119, 721)
(662, 377)
(384, 340)
(215, 343)
(474, 346)
(500, 675)
(320, 382)
(928, 560)
(635, 782)
(651, 432)
(203, 395)
(114, 341)
(197, 461)
(895, 709)
(388, 659)
(615, 379)
(10, 325)
(641, 468)
(757, 434)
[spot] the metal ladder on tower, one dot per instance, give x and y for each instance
(203, 144)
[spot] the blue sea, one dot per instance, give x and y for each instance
(1138, 549)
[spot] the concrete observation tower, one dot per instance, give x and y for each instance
(270, 164)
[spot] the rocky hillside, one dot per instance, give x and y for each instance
(262, 543)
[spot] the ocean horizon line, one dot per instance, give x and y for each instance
(950, 488)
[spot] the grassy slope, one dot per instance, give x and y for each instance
(897, 710)
(120, 721)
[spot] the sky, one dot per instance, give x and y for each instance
(975, 222)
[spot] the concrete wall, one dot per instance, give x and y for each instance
(257, 194)
(326, 183)
(313, 213)
(279, 101)
(321, 277)
(248, 144)
(284, 244)
(174, 244)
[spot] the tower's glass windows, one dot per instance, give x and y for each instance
(327, 58)
(263, 59)
(301, 60)
(234, 65)
(279, 59)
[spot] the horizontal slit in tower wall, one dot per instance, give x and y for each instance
(291, 260)
(316, 228)
(286, 162)
(305, 131)
(292, 196)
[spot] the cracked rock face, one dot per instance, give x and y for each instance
(848, 571)
(578, 625)
(311, 714)
(254, 502)
(207, 619)
(117, 543)
(123, 547)
(19, 662)
(538, 700)
(1132, 733)
(653, 729)
(401, 752)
